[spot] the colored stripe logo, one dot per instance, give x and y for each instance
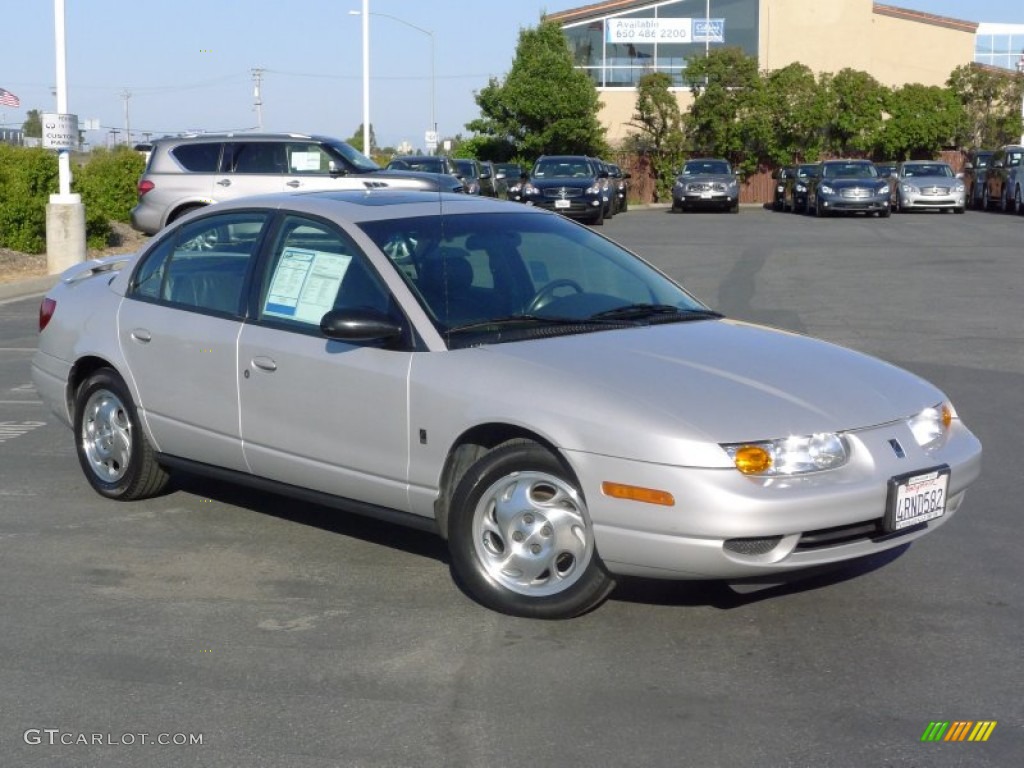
(959, 730)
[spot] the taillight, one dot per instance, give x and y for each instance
(144, 187)
(46, 310)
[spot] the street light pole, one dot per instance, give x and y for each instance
(366, 13)
(1020, 70)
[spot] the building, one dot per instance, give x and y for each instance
(618, 41)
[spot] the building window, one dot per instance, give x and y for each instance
(999, 45)
(618, 49)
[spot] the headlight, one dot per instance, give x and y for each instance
(801, 187)
(790, 455)
(932, 424)
(883, 189)
(594, 190)
(825, 188)
(909, 188)
(529, 189)
(780, 188)
(959, 187)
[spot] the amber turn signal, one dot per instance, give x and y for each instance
(752, 459)
(636, 493)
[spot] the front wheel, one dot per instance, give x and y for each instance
(521, 538)
(115, 455)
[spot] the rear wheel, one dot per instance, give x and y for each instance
(1018, 204)
(521, 538)
(115, 455)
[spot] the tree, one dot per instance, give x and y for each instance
(544, 105)
(356, 140)
(991, 101)
(33, 125)
(725, 119)
(796, 110)
(855, 103)
(660, 133)
(921, 120)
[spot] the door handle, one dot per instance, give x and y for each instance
(141, 335)
(225, 182)
(292, 183)
(264, 363)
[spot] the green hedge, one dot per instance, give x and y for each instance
(28, 176)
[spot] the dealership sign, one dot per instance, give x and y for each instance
(630, 30)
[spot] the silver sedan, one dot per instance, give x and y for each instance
(558, 410)
(927, 185)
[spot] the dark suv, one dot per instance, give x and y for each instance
(187, 172)
(975, 169)
(1004, 181)
(573, 185)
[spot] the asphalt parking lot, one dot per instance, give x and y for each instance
(278, 633)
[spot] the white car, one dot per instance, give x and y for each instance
(556, 408)
(928, 185)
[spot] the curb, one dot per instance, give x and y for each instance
(23, 289)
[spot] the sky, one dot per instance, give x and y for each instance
(188, 65)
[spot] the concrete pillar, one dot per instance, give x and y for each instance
(65, 233)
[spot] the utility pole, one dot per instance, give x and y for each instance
(126, 95)
(257, 95)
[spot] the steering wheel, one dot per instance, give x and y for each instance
(546, 294)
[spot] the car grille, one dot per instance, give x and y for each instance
(855, 192)
(935, 191)
(757, 545)
(563, 193)
(871, 530)
(706, 186)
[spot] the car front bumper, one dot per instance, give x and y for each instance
(923, 200)
(725, 525)
(586, 207)
(867, 203)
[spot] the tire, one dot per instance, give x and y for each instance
(1004, 201)
(676, 206)
(959, 210)
(818, 210)
(885, 213)
(115, 455)
(520, 536)
(1018, 204)
(598, 219)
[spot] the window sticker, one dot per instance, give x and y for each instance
(305, 284)
(305, 161)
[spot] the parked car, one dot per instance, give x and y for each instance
(1004, 180)
(706, 182)
(573, 185)
(849, 186)
(620, 181)
(559, 411)
(795, 195)
(424, 163)
(928, 185)
(185, 173)
(492, 183)
(514, 175)
(887, 169)
(779, 177)
(974, 176)
(470, 171)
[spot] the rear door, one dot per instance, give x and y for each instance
(251, 168)
(178, 328)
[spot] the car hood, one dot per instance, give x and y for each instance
(444, 182)
(854, 181)
(707, 178)
(716, 381)
(931, 181)
(571, 182)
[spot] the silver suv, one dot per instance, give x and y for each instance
(186, 173)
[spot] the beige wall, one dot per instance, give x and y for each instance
(830, 35)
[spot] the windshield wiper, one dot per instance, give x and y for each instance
(524, 319)
(656, 312)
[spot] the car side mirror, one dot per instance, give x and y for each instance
(484, 173)
(359, 325)
(968, 167)
(333, 169)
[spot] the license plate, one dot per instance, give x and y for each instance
(562, 203)
(705, 195)
(916, 498)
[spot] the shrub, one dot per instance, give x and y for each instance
(107, 182)
(27, 178)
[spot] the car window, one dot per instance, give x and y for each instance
(704, 167)
(1013, 158)
(313, 269)
(259, 157)
(198, 158)
(307, 157)
(203, 264)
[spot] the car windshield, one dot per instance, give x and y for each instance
(563, 169)
(806, 170)
(466, 168)
(497, 277)
(928, 169)
(426, 164)
(707, 168)
(848, 171)
(354, 156)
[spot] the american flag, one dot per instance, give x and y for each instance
(8, 99)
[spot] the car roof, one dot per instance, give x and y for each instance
(240, 136)
(376, 204)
